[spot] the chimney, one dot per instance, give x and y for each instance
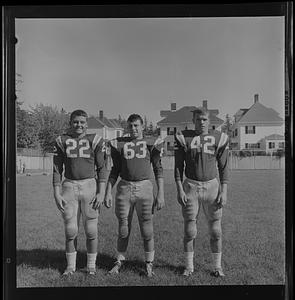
(256, 96)
(205, 104)
(173, 106)
(100, 114)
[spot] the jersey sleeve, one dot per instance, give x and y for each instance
(222, 158)
(156, 154)
(179, 156)
(58, 162)
(99, 149)
(116, 159)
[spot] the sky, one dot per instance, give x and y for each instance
(124, 66)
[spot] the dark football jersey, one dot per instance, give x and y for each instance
(79, 158)
(132, 158)
(202, 155)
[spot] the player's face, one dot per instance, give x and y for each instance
(201, 123)
(78, 125)
(135, 129)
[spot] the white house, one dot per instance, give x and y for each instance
(254, 126)
(107, 128)
(181, 119)
(273, 143)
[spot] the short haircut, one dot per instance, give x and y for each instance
(78, 113)
(135, 117)
(200, 111)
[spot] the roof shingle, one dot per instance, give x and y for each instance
(184, 115)
(258, 113)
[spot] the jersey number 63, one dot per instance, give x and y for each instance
(130, 152)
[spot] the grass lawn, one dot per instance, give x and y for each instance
(253, 238)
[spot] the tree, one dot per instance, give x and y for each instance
(150, 129)
(51, 123)
(145, 122)
(227, 125)
(27, 128)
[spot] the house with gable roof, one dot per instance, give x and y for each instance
(181, 119)
(257, 128)
(106, 128)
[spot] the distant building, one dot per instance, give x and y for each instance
(106, 128)
(257, 128)
(181, 119)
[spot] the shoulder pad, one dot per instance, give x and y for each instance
(180, 138)
(59, 141)
(96, 139)
(158, 141)
(223, 141)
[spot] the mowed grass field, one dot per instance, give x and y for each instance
(253, 238)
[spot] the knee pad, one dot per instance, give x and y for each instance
(147, 230)
(91, 229)
(215, 231)
(71, 230)
(190, 230)
(123, 229)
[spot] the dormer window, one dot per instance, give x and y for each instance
(250, 129)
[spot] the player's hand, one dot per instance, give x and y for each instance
(60, 202)
(181, 198)
(221, 200)
(108, 200)
(97, 201)
(159, 202)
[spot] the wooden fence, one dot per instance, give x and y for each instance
(45, 163)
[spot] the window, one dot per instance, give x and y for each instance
(171, 131)
(252, 145)
(271, 145)
(213, 127)
(118, 133)
(235, 132)
(250, 129)
(281, 145)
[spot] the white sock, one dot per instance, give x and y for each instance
(189, 260)
(71, 260)
(91, 260)
(149, 256)
(216, 260)
(121, 256)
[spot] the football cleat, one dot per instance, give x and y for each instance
(217, 273)
(91, 271)
(187, 272)
(117, 266)
(149, 269)
(68, 272)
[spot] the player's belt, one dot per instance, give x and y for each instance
(131, 181)
(199, 181)
(80, 181)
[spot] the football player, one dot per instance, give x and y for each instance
(205, 156)
(132, 158)
(81, 157)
